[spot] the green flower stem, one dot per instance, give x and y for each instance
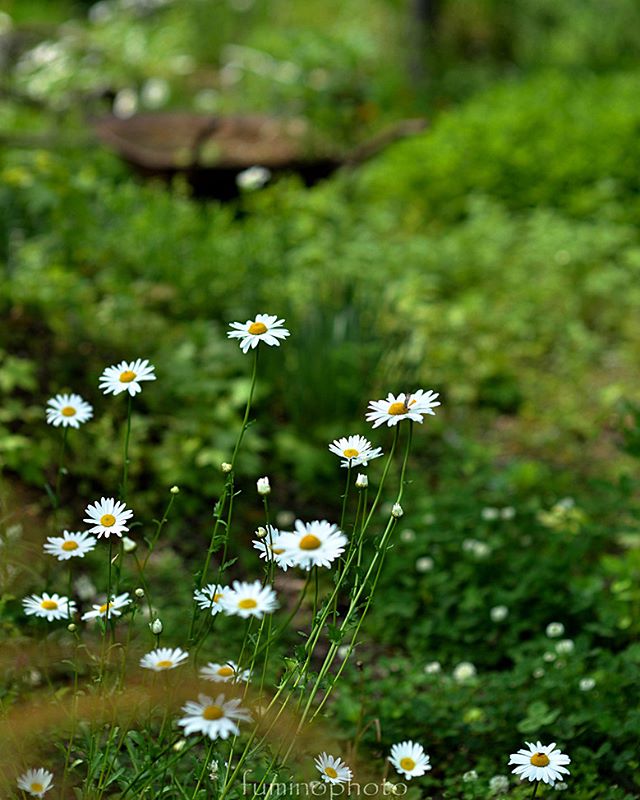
(535, 789)
(345, 497)
(61, 468)
(137, 777)
(205, 766)
(245, 421)
(159, 526)
(125, 459)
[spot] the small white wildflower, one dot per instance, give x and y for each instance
(489, 514)
(343, 651)
(72, 627)
(549, 657)
(156, 627)
(128, 545)
(263, 486)
(432, 667)
(508, 512)
(179, 745)
(564, 647)
(464, 671)
(554, 630)
(499, 613)
(470, 776)
(560, 787)
(139, 592)
(362, 481)
(408, 535)
(587, 684)
(253, 178)
(499, 784)
(396, 510)
(538, 673)
(424, 564)
(175, 490)
(226, 467)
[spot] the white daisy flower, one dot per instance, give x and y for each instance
(409, 759)
(108, 516)
(217, 718)
(394, 409)
(270, 548)
(36, 782)
(265, 328)
(69, 545)
(356, 450)
(68, 410)
(249, 600)
(126, 377)
(210, 597)
(332, 770)
(224, 673)
(313, 544)
(540, 763)
(49, 607)
(114, 607)
(164, 658)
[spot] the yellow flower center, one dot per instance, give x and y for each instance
(330, 771)
(256, 328)
(408, 764)
(68, 411)
(350, 453)
(69, 545)
(37, 787)
(127, 376)
(310, 542)
(539, 760)
(107, 520)
(396, 409)
(166, 664)
(213, 712)
(248, 602)
(217, 596)
(49, 605)
(226, 672)
(277, 551)
(104, 608)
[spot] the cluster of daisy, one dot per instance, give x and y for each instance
(408, 758)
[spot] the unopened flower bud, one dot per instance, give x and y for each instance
(71, 627)
(156, 627)
(175, 490)
(139, 592)
(396, 510)
(263, 486)
(261, 532)
(128, 545)
(362, 481)
(179, 745)
(226, 467)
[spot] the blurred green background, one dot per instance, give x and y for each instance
(494, 258)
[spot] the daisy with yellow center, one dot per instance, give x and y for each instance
(36, 782)
(271, 549)
(210, 597)
(109, 610)
(405, 406)
(126, 377)
(50, 607)
(409, 759)
(107, 516)
(313, 544)
(539, 762)
(265, 328)
(355, 450)
(69, 545)
(216, 718)
(68, 410)
(163, 659)
(249, 600)
(229, 672)
(332, 769)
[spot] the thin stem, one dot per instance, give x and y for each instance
(125, 465)
(61, 468)
(247, 409)
(535, 789)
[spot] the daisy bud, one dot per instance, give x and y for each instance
(362, 481)
(396, 510)
(128, 545)
(156, 627)
(179, 745)
(261, 532)
(263, 486)
(175, 490)
(71, 627)
(139, 592)
(226, 467)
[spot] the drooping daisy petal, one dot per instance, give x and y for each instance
(540, 762)
(36, 782)
(49, 607)
(109, 610)
(332, 769)
(126, 377)
(108, 516)
(409, 759)
(356, 450)
(265, 328)
(394, 409)
(313, 544)
(216, 718)
(228, 672)
(210, 597)
(270, 548)
(68, 410)
(249, 600)
(69, 545)
(164, 658)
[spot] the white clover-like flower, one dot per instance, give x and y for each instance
(249, 600)
(164, 658)
(229, 672)
(499, 784)
(69, 545)
(332, 769)
(111, 609)
(313, 544)
(210, 597)
(409, 759)
(48, 606)
(216, 718)
(499, 613)
(126, 377)
(424, 564)
(587, 684)
(271, 548)
(108, 516)
(36, 782)
(68, 410)
(394, 409)
(554, 630)
(263, 486)
(540, 763)
(265, 328)
(252, 178)
(470, 776)
(432, 667)
(464, 671)
(355, 450)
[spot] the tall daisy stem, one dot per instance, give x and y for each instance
(125, 460)
(535, 789)
(61, 467)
